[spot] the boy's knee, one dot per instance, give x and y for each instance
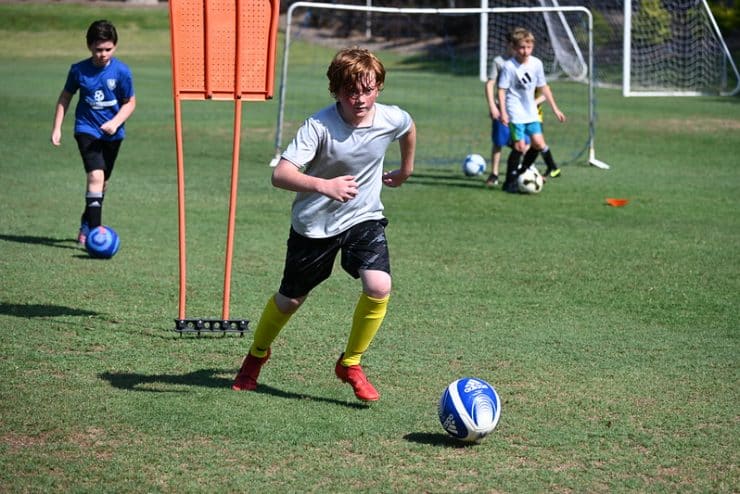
(376, 284)
(288, 305)
(378, 289)
(538, 142)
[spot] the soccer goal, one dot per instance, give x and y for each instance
(675, 48)
(644, 47)
(434, 67)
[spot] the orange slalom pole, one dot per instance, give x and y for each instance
(180, 206)
(180, 164)
(234, 163)
(208, 93)
(232, 206)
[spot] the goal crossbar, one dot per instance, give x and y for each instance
(438, 11)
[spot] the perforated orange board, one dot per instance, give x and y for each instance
(223, 49)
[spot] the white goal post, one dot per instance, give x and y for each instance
(581, 70)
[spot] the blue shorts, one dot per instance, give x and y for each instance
(501, 135)
(523, 131)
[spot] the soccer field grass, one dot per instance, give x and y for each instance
(611, 335)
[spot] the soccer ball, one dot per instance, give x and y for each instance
(469, 409)
(473, 165)
(102, 242)
(530, 181)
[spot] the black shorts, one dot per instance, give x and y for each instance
(309, 261)
(98, 154)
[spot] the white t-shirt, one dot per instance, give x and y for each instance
(326, 146)
(520, 81)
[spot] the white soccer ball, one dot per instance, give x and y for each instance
(530, 181)
(469, 409)
(473, 165)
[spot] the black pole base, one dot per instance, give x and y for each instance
(222, 326)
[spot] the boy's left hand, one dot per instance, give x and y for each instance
(109, 127)
(394, 178)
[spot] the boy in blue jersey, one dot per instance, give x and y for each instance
(521, 75)
(335, 166)
(106, 101)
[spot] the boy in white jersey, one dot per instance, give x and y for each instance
(520, 76)
(335, 166)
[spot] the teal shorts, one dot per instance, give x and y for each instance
(501, 136)
(521, 131)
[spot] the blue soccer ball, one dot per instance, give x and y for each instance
(469, 409)
(102, 242)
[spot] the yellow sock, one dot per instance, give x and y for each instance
(369, 315)
(271, 322)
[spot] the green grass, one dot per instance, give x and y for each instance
(611, 334)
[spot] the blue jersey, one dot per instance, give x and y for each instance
(102, 91)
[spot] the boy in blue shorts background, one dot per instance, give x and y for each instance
(500, 135)
(521, 75)
(106, 101)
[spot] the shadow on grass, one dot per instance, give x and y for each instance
(207, 378)
(41, 310)
(62, 243)
(437, 439)
(445, 179)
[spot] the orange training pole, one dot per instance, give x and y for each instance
(232, 206)
(180, 168)
(234, 163)
(180, 207)
(221, 49)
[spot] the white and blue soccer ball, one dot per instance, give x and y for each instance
(102, 242)
(473, 165)
(469, 409)
(530, 181)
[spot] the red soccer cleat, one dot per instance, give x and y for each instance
(357, 379)
(246, 379)
(83, 233)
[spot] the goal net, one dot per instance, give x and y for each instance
(675, 48)
(433, 64)
(646, 47)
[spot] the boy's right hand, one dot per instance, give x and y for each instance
(342, 189)
(56, 137)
